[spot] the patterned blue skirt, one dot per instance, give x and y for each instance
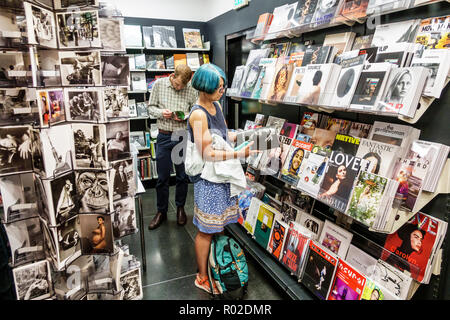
(213, 207)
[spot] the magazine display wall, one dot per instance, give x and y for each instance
(154, 52)
(66, 171)
(349, 141)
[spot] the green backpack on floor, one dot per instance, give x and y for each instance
(227, 268)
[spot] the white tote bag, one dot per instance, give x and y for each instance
(194, 163)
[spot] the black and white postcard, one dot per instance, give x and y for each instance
(96, 231)
(80, 68)
(12, 70)
(118, 140)
(111, 33)
(124, 217)
(122, 176)
(115, 71)
(25, 240)
(18, 106)
(83, 105)
(78, 29)
(65, 198)
(93, 189)
(15, 149)
(57, 140)
(90, 146)
(69, 240)
(41, 27)
(33, 281)
(18, 196)
(71, 4)
(132, 284)
(115, 103)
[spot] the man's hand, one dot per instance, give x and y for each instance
(167, 114)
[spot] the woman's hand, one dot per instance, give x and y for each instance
(245, 152)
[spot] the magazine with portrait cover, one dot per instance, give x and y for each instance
(399, 284)
(371, 196)
(237, 82)
(80, 68)
(294, 86)
(192, 38)
(361, 260)
(403, 91)
(346, 144)
(335, 238)
(359, 129)
(371, 85)
(16, 153)
(389, 33)
(250, 81)
(433, 32)
(18, 106)
(305, 11)
(348, 283)
(416, 243)
(438, 62)
(254, 189)
(295, 248)
(295, 199)
(338, 181)
(291, 170)
(164, 36)
(381, 156)
(325, 11)
(312, 172)
(281, 79)
(132, 35)
(33, 281)
(351, 69)
(111, 34)
(264, 224)
(90, 143)
(277, 238)
(287, 134)
(26, 240)
(309, 122)
(79, 29)
(322, 140)
(265, 77)
(83, 105)
(362, 42)
(319, 270)
(312, 224)
(336, 125)
(395, 134)
(40, 25)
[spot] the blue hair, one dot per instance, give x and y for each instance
(207, 78)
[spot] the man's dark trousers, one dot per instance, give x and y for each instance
(164, 147)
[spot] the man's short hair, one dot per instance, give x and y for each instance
(184, 72)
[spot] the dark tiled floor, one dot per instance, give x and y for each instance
(170, 253)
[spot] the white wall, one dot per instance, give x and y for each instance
(189, 10)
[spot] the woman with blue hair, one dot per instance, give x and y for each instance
(214, 207)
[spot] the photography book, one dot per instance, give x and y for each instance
(147, 33)
(348, 283)
(338, 181)
(371, 86)
(132, 35)
(438, 62)
(403, 91)
(164, 37)
(319, 270)
(192, 38)
(153, 62)
(295, 248)
(389, 33)
(280, 19)
(314, 83)
(277, 238)
(281, 79)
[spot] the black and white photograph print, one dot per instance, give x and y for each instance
(12, 70)
(115, 71)
(65, 198)
(164, 37)
(96, 231)
(93, 188)
(132, 285)
(74, 4)
(69, 240)
(115, 103)
(111, 34)
(18, 106)
(83, 105)
(90, 146)
(118, 140)
(124, 217)
(33, 281)
(80, 68)
(57, 140)
(15, 149)
(142, 109)
(26, 240)
(79, 29)
(18, 196)
(123, 179)
(41, 27)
